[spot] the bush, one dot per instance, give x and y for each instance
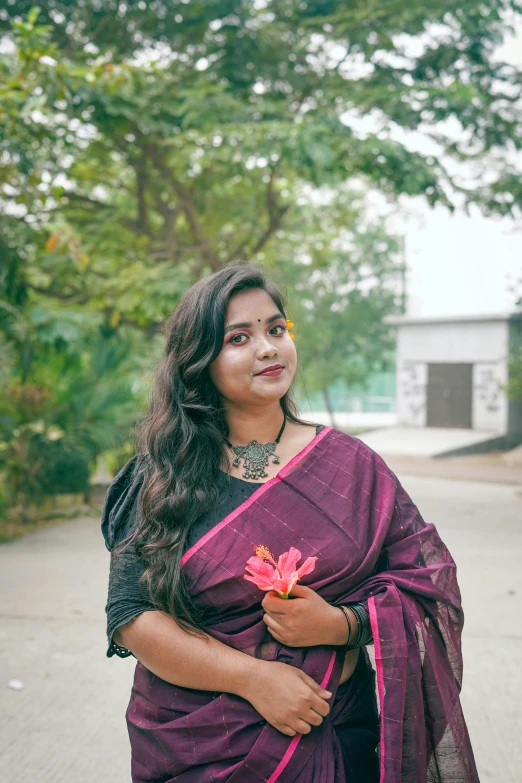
(3, 500)
(115, 459)
(59, 467)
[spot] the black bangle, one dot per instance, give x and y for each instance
(360, 614)
(355, 610)
(349, 626)
(364, 633)
(368, 635)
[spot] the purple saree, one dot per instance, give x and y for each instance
(337, 500)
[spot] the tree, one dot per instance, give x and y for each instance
(69, 407)
(143, 145)
(346, 278)
(69, 388)
(178, 136)
(514, 384)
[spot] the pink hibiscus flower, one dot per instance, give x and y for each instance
(280, 576)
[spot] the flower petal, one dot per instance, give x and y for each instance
(284, 585)
(288, 561)
(258, 567)
(262, 573)
(263, 584)
(307, 567)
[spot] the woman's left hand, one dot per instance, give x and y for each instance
(303, 620)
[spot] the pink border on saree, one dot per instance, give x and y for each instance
(380, 673)
(254, 496)
(297, 737)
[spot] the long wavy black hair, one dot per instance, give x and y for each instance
(181, 440)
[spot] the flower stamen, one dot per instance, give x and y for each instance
(265, 554)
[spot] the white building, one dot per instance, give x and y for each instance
(452, 371)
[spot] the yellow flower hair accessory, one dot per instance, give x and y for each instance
(289, 325)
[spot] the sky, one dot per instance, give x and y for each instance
(458, 264)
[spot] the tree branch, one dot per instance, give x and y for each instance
(85, 199)
(150, 330)
(169, 215)
(187, 205)
(236, 253)
(63, 297)
(273, 226)
(140, 168)
(275, 214)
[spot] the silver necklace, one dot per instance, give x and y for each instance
(255, 455)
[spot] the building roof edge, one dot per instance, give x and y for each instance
(409, 320)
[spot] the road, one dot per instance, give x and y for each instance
(67, 723)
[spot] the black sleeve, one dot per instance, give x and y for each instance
(125, 599)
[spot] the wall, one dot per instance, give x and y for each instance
(483, 343)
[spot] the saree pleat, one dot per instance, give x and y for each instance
(336, 500)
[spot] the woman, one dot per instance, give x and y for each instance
(230, 680)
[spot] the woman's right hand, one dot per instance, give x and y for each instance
(287, 698)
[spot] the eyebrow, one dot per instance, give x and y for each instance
(248, 325)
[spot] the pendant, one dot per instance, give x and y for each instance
(255, 457)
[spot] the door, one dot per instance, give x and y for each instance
(449, 395)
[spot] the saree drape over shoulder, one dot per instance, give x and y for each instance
(336, 500)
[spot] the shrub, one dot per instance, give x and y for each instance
(59, 467)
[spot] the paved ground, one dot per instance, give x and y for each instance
(67, 724)
(423, 441)
(492, 468)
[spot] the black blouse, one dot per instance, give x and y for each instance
(126, 599)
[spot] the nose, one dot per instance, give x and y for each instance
(266, 347)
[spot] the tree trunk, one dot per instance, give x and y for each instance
(328, 405)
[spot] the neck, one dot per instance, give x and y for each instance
(262, 425)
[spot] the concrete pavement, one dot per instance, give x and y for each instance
(424, 441)
(67, 724)
(492, 468)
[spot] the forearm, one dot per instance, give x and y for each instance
(359, 624)
(164, 648)
(340, 626)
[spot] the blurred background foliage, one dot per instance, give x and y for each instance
(145, 144)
